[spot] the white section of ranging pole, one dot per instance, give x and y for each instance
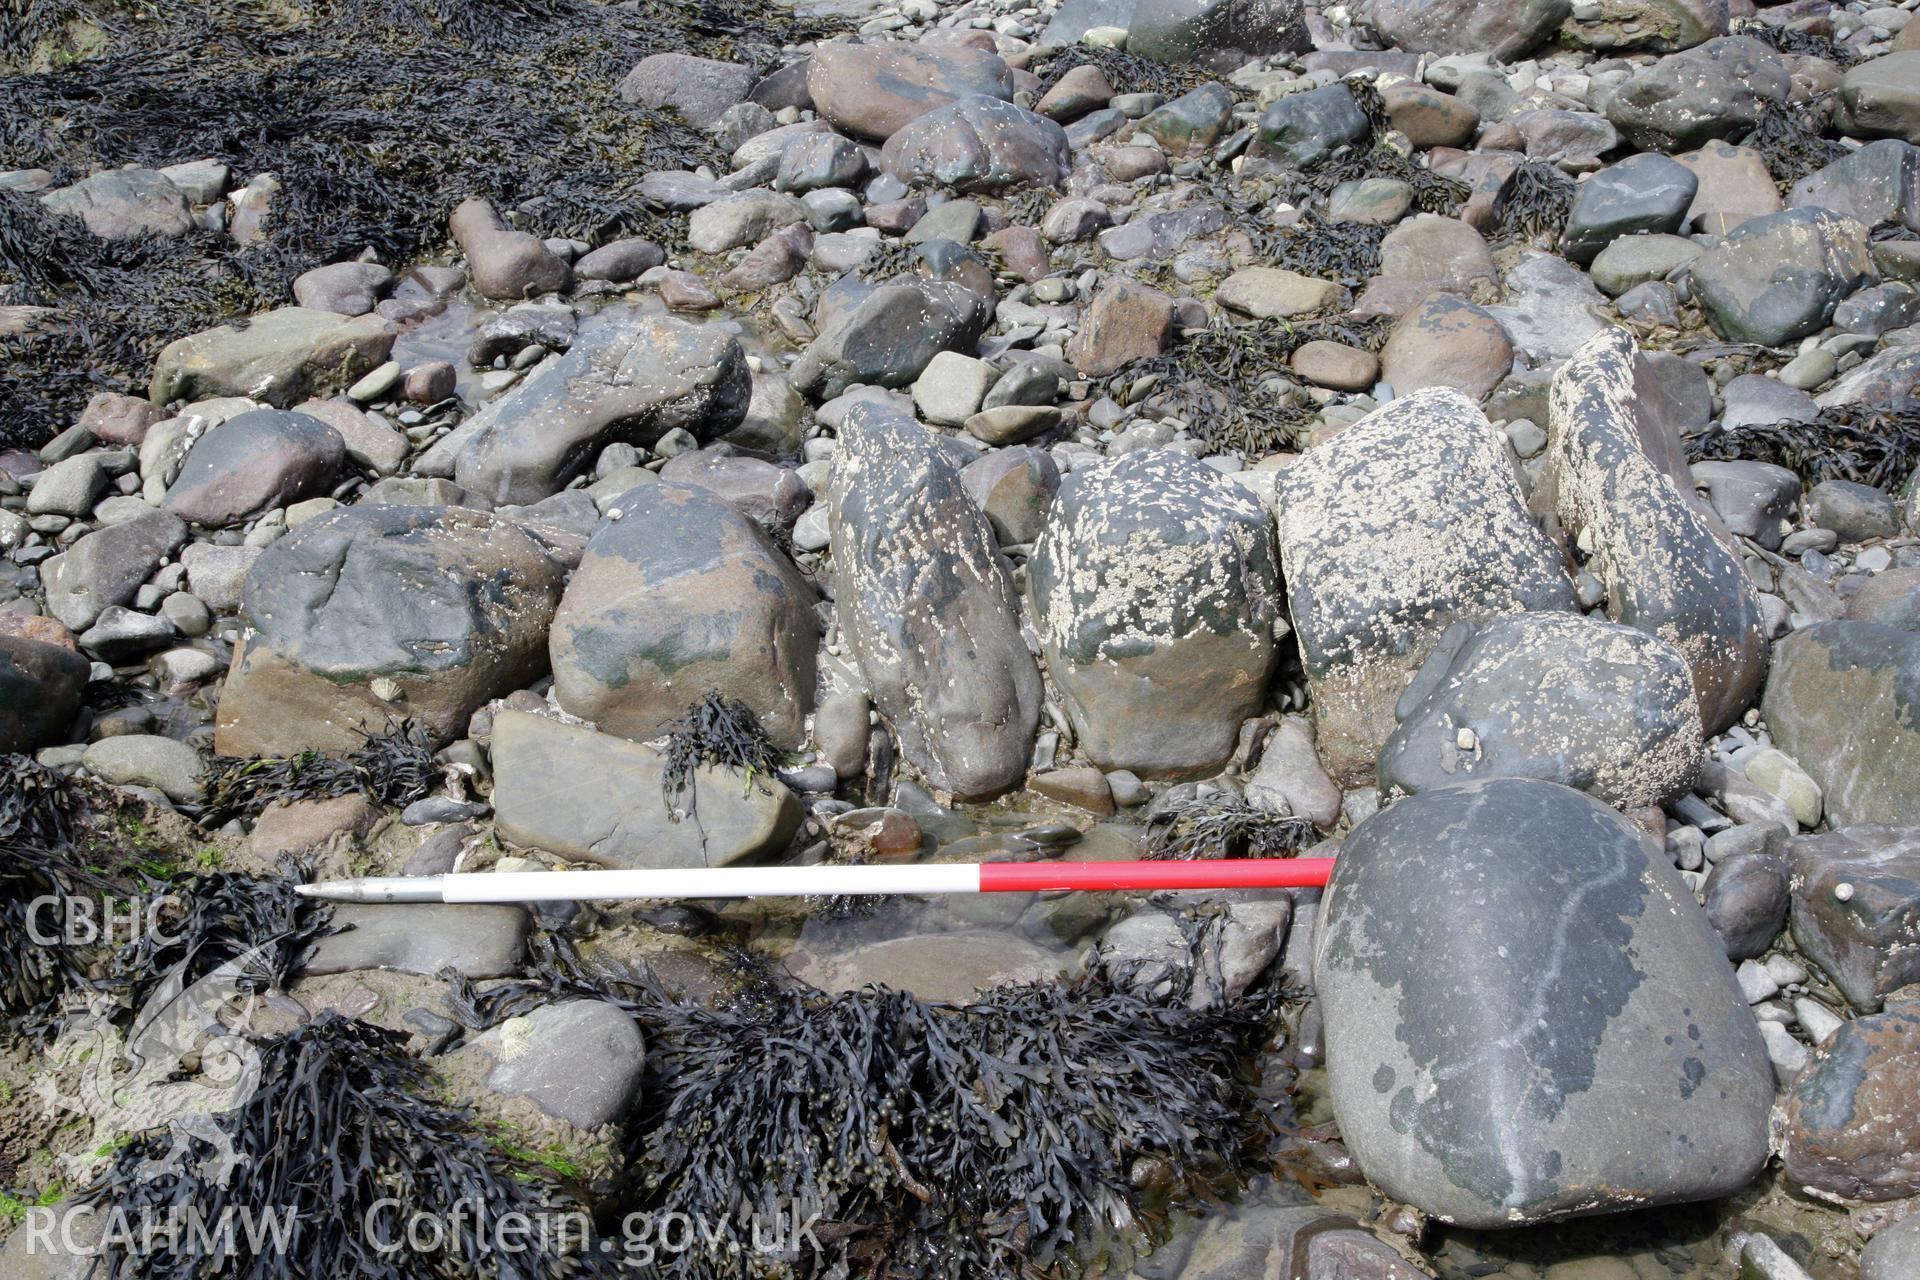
(694, 882)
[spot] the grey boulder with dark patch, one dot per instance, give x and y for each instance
(1467, 26)
(1155, 592)
(1592, 705)
(596, 798)
(580, 1061)
(1641, 193)
(280, 357)
(681, 593)
(1844, 700)
(1867, 939)
(927, 605)
(40, 688)
(252, 463)
(1527, 1015)
(630, 380)
(1777, 278)
(451, 604)
(888, 337)
(875, 90)
(1218, 33)
(1406, 522)
(1619, 481)
(979, 143)
(1305, 127)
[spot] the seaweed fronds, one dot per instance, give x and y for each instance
(1005, 1138)
(341, 1130)
(1857, 442)
(1223, 826)
(1805, 43)
(1126, 72)
(1432, 192)
(719, 732)
(37, 884)
(1788, 138)
(39, 808)
(1534, 203)
(393, 768)
(1345, 251)
(220, 918)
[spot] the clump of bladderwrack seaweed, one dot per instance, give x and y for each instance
(394, 768)
(332, 97)
(1231, 383)
(1788, 138)
(1805, 43)
(40, 875)
(210, 920)
(720, 732)
(1126, 72)
(1223, 826)
(1858, 442)
(343, 1127)
(998, 1139)
(1534, 203)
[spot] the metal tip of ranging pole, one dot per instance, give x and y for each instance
(789, 882)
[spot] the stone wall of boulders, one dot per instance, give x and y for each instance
(1569, 586)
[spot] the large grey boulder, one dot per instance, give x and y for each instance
(1686, 100)
(1621, 488)
(1527, 1015)
(1642, 193)
(679, 593)
(597, 798)
(629, 380)
(252, 463)
(1156, 590)
(1309, 126)
(1844, 700)
(1466, 26)
(107, 567)
(278, 357)
(1592, 705)
(979, 143)
(40, 688)
(888, 337)
(1406, 522)
(1882, 96)
(1223, 34)
(1878, 183)
(927, 606)
(450, 604)
(125, 204)
(1777, 278)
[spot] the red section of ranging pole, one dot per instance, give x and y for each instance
(1200, 873)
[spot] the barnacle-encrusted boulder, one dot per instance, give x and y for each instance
(1844, 699)
(1528, 1017)
(632, 379)
(279, 357)
(1593, 705)
(452, 605)
(1620, 485)
(677, 594)
(1404, 523)
(1155, 591)
(927, 606)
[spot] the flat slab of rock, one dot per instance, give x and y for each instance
(1623, 491)
(597, 798)
(700, 89)
(1155, 592)
(632, 379)
(281, 358)
(1405, 522)
(1528, 1017)
(1599, 707)
(927, 605)
(954, 967)
(680, 594)
(480, 940)
(125, 204)
(1842, 700)
(1866, 936)
(107, 567)
(451, 604)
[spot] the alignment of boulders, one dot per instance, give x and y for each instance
(1480, 438)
